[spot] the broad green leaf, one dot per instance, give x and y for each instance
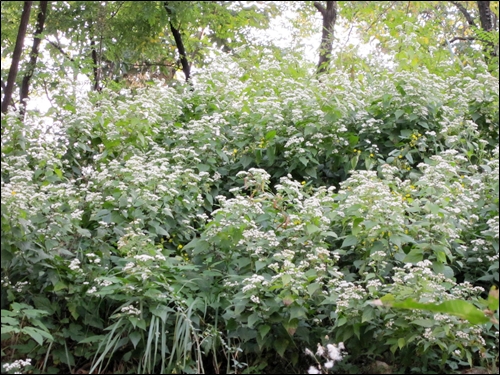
(297, 312)
(281, 345)
(356, 225)
(252, 319)
(423, 322)
(135, 337)
(311, 288)
(263, 330)
(414, 256)
(401, 343)
(460, 308)
(270, 135)
(311, 228)
(37, 334)
(367, 314)
(350, 241)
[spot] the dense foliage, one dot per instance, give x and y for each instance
(251, 217)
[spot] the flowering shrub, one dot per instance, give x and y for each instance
(255, 215)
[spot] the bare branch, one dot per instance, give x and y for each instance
(461, 38)
(466, 14)
(59, 48)
(469, 38)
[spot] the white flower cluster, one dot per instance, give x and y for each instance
(75, 265)
(20, 285)
(17, 365)
(331, 354)
(254, 282)
(93, 258)
(131, 310)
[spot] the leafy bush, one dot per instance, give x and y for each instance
(235, 225)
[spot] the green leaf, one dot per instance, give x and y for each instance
(37, 334)
(259, 265)
(311, 288)
(270, 135)
(356, 225)
(311, 171)
(9, 320)
(91, 339)
(414, 256)
(401, 343)
(161, 311)
(297, 312)
(423, 322)
(311, 228)
(286, 278)
(271, 154)
(367, 314)
(264, 330)
(280, 345)
(354, 162)
(135, 337)
(460, 308)
(493, 299)
(406, 133)
(60, 285)
(350, 241)
(341, 321)
(246, 160)
(252, 319)
(84, 232)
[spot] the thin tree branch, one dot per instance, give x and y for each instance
(454, 39)
(116, 12)
(59, 48)
(461, 38)
(466, 14)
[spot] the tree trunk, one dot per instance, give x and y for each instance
(329, 18)
(96, 68)
(485, 15)
(16, 56)
(180, 45)
(486, 19)
(42, 14)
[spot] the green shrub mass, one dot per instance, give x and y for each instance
(241, 223)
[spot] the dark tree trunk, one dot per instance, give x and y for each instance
(329, 18)
(16, 56)
(180, 45)
(25, 87)
(96, 68)
(486, 19)
(485, 15)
